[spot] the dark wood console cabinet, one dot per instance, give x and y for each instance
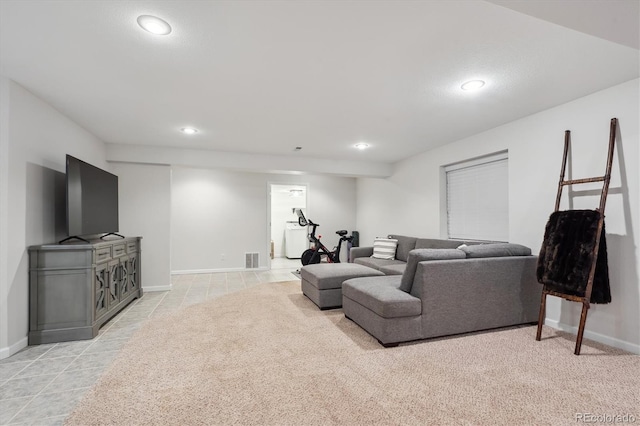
(74, 288)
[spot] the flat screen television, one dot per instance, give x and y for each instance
(92, 199)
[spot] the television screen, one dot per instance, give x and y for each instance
(92, 199)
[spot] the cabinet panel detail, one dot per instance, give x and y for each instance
(113, 294)
(132, 269)
(101, 282)
(124, 277)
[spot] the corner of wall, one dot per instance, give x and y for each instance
(6, 352)
(4, 202)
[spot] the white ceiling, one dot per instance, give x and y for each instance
(267, 76)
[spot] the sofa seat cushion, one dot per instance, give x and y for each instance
(420, 255)
(393, 269)
(326, 276)
(382, 296)
(374, 263)
(496, 250)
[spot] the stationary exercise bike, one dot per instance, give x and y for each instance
(319, 250)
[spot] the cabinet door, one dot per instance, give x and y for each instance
(123, 270)
(113, 293)
(101, 282)
(132, 269)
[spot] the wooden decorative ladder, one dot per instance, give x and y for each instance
(585, 300)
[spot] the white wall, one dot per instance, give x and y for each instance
(409, 202)
(35, 140)
(145, 210)
(217, 212)
(4, 211)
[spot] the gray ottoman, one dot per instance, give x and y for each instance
(322, 282)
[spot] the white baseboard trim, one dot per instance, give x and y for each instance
(211, 271)
(14, 349)
(156, 288)
(601, 338)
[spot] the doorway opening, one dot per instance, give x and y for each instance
(287, 238)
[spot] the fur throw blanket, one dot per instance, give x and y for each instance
(567, 253)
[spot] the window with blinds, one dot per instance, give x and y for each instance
(478, 199)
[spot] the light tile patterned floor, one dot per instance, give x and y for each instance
(41, 384)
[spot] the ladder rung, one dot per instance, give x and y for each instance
(587, 180)
(569, 297)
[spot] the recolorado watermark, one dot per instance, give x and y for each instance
(605, 418)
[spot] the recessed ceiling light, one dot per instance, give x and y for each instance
(362, 145)
(472, 85)
(154, 25)
(189, 130)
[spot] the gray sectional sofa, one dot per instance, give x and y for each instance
(443, 290)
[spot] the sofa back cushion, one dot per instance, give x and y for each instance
(384, 248)
(496, 250)
(433, 243)
(405, 245)
(419, 255)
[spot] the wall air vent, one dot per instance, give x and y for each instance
(251, 260)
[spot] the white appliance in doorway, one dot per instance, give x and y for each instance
(295, 240)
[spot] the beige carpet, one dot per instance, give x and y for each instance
(268, 356)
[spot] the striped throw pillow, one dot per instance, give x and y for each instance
(384, 248)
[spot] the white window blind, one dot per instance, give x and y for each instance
(478, 199)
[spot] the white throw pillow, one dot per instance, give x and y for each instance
(384, 248)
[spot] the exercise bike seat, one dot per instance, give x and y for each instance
(341, 232)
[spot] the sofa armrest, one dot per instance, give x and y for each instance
(460, 296)
(360, 252)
